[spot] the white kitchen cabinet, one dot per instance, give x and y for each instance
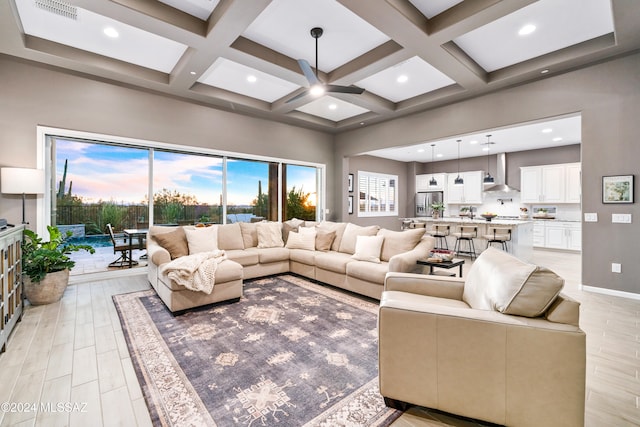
(550, 184)
(573, 190)
(468, 193)
(422, 182)
(563, 235)
(538, 234)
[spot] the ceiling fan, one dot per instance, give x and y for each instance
(316, 87)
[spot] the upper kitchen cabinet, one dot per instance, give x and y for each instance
(422, 182)
(468, 193)
(550, 183)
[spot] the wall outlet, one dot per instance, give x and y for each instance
(590, 217)
(616, 268)
(621, 218)
(327, 211)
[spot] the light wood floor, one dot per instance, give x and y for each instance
(74, 352)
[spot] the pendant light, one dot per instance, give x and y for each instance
(488, 179)
(432, 181)
(458, 180)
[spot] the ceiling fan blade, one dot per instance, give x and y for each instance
(344, 89)
(308, 72)
(298, 96)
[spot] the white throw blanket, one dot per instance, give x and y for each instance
(195, 272)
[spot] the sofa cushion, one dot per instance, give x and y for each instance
(201, 239)
(230, 237)
(338, 227)
(244, 257)
(324, 239)
(368, 248)
(290, 225)
(305, 241)
(268, 255)
(333, 261)
(249, 232)
(564, 310)
(303, 256)
(397, 242)
(270, 235)
(499, 281)
(367, 271)
(351, 233)
(226, 271)
(174, 241)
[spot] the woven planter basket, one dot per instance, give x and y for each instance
(49, 290)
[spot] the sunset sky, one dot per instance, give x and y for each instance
(107, 172)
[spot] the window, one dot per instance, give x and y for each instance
(377, 194)
(301, 198)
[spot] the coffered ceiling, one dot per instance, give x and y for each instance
(241, 55)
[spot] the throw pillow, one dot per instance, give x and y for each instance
(324, 239)
(249, 234)
(501, 282)
(201, 239)
(290, 225)
(230, 237)
(175, 242)
(368, 248)
(351, 232)
(301, 241)
(338, 227)
(270, 235)
(397, 242)
(307, 230)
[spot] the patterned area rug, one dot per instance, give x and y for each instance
(290, 353)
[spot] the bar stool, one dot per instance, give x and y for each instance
(466, 233)
(500, 235)
(440, 233)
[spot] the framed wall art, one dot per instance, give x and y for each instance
(617, 189)
(350, 183)
(350, 204)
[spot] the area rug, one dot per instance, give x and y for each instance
(289, 353)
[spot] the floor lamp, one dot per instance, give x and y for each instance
(22, 181)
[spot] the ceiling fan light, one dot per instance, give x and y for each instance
(317, 90)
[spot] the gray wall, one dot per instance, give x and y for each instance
(31, 96)
(608, 97)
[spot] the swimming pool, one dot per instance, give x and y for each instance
(96, 241)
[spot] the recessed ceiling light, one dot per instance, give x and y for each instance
(421, 150)
(473, 141)
(401, 79)
(485, 148)
(547, 130)
(556, 139)
(251, 78)
(545, 71)
(332, 106)
(111, 32)
(526, 30)
(193, 73)
(439, 155)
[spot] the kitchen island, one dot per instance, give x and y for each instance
(521, 244)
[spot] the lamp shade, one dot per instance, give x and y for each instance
(22, 181)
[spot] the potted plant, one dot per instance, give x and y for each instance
(437, 209)
(524, 213)
(46, 265)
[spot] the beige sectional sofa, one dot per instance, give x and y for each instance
(335, 255)
(503, 345)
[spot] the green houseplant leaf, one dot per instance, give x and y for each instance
(40, 257)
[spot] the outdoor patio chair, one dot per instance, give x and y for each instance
(125, 248)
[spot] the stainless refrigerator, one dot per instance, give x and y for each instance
(424, 199)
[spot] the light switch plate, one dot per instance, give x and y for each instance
(590, 217)
(616, 267)
(621, 218)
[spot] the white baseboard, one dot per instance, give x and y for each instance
(105, 275)
(611, 292)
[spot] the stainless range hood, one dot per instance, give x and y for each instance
(501, 177)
